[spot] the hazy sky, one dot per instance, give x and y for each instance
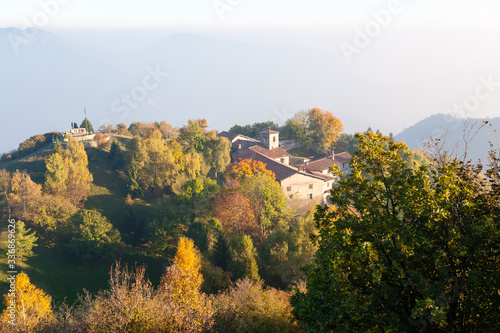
(428, 58)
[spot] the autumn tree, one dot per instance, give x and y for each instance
(405, 249)
(67, 172)
(141, 129)
(167, 130)
(24, 196)
(31, 306)
(236, 213)
(248, 306)
(181, 286)
(324, 129)
(92, 235)
(152, 164)
(5, 189)
(246, 168)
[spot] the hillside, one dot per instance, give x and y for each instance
(453, 129)
(68, 275)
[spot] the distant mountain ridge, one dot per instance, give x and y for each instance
(46, 82)
(452, 128)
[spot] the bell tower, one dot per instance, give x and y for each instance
(270, 139)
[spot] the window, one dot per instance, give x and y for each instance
(310, 196)
(328, 184)
(310, 186)
(274, 139)
(282, 160)
(289, 188)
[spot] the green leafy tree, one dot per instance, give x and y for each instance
(92, 235)
(255, 129)
(346, 143)
(86, 124)
(405, 249)
(166, 223)
(217, 153)
(25, 241)
(297, 128)
(192, 136)
(269, 201)
(197, 198)
(243, 258)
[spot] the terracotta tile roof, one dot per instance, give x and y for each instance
(326, 178)
(325, 163)
(235, 136)
(319, 165)
(342, 158)
(228, 135)
(281, 171)
(269, 132)
(245, 144)
(275, 153)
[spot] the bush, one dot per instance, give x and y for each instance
(248, 307)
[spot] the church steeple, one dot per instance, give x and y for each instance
(270, 139)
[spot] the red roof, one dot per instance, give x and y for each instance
(342, 158)
(325, 163)
(275, 153)
(269, 132)
(281, 171)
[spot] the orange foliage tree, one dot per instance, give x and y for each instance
(246, 168)
(236, 213)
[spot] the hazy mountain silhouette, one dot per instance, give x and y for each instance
(453, 129)
(46, 81)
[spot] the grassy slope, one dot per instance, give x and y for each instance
(63, 276)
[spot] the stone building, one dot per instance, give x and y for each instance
(311, 180)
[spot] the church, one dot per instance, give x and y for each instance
(306, 179)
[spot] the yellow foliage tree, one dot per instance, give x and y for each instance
(68, 173)
(27, 305)
(181, 287)
(324, 128)
(25, 195)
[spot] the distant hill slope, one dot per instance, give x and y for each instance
(46, 83)
(453, 128)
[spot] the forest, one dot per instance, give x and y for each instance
(155, 229)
